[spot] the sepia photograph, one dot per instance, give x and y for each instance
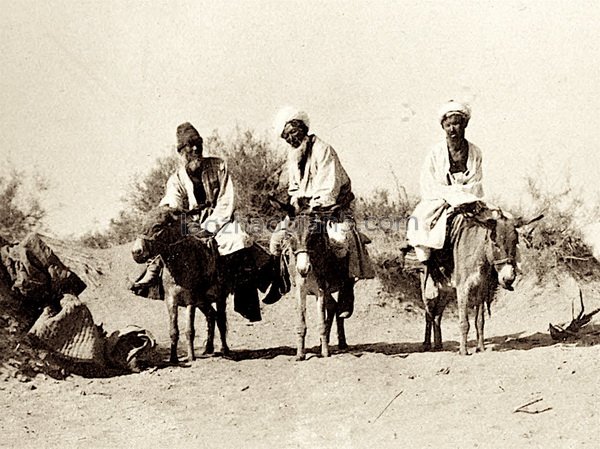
(300, 225)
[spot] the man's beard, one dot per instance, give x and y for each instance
(193, 166)
(296, 154)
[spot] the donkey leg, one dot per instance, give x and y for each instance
(321, 299)
(301, 326)
(190, 332)
(330, 314)
(210, 315)
(437, 331)
(429, 304)
(341, 332)
(462, 296)
(437, 319)
(222, 322)
(479, 324)
(172, 310)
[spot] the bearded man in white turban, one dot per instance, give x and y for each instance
(451, 176)
(317, 180)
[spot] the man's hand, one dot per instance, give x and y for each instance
(299, 203)
(204, 234)
(195, 230)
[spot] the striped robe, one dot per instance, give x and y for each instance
(218, 217)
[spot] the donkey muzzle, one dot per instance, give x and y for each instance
(507, 276)
(137, 251)
(303, 265)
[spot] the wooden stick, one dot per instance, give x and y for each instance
(531, 412)
(386, 407)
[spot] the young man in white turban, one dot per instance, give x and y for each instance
(451, 175)
(317, 180)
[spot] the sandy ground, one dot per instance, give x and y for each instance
(382, 392)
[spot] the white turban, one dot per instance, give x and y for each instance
(288, 114)
(454, 107)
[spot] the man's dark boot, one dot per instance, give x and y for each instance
(149, 278)
(346, 299)
(278, 285)
(273, 295)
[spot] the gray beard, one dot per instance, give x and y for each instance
(193, 166)
(296, 154)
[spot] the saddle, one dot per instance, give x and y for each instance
(441, 261)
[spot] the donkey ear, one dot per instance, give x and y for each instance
(490, 215)
(520, 222)
(175, 213)
(280, 205)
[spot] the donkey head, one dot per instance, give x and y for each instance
(505, 238)
(162, 227)
(308, 228)
(309, 241)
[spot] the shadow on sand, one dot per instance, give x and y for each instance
(588, 336)
(510, 342)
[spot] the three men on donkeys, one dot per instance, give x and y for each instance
(450, 176)
(318, 181)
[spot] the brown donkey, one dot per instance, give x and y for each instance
(193, 265)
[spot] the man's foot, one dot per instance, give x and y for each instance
(150, 276)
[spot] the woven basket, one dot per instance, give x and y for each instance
(71, 332)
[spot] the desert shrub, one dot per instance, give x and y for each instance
(555, 244)
(20, 208)
(253, 164)
(255, 167)
(383, 217)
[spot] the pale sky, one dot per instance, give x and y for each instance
(92, 91)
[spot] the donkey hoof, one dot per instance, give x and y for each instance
(300, 357)
(208, 350)
(426, 347)
(342, 345)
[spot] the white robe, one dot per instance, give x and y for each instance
(325, 183)
(230, 236)
(324, 178)
(427, 224)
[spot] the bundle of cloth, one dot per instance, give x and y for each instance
(48, 290)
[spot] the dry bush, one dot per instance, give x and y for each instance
(555, 244)
(20, 208)
(383, 218)
(253, 164)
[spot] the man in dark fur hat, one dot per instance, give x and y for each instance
(203, 184)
